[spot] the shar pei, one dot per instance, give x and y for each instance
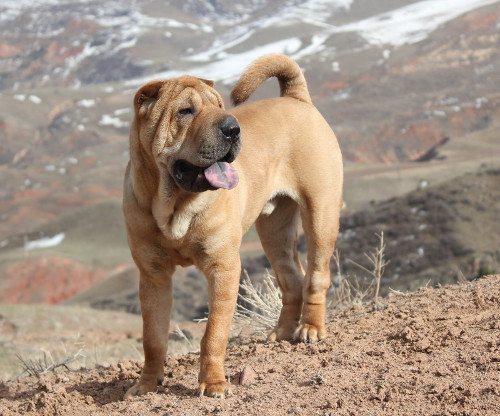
(200, 175)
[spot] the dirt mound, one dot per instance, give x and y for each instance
(436, 351)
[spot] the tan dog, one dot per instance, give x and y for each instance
(199, 176)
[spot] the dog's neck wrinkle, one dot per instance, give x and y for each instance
(145, 181)
(145, 175)
(174, 213)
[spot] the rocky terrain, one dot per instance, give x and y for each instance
(432, 352)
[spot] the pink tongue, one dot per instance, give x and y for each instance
(221, 175)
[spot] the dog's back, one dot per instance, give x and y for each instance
(290, 77)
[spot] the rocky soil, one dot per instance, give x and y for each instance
(432, 352)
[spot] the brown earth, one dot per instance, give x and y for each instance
(47, 279)
(432, 352)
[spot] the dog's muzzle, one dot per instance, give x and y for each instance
(219, 173)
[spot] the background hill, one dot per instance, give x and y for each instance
(410, 88)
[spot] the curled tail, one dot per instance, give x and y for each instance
(292, 81)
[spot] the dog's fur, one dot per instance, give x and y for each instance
(289, 167)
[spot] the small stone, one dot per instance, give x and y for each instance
(247, 376)
(377, 307)
(62, 379)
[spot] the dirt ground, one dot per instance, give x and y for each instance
(432, 352)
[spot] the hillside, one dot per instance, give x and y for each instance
(435, 235)
(435, 351)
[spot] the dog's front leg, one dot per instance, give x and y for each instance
(155, 292)
(223, 282)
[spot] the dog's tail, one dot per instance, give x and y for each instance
(292, 81)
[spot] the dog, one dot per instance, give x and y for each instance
(200, 175)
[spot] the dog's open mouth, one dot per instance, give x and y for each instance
(199, 179)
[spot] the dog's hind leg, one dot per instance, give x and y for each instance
(278, 234)
(320, 221)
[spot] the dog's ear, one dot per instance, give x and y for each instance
(147, 92)
(144, 99)
(208, 82)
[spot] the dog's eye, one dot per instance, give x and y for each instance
(185, 111)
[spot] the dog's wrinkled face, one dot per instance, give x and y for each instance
(182, 123)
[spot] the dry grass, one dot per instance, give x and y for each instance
(352, 290)
(183, 337)
(349, 290)
(260, 304)
(41, 366)
(377, 263)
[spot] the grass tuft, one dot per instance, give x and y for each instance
(377, 263)
(260, 304)
(41, 366)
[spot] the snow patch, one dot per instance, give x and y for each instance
(45, 242)
(35, 99)
(412, 23)
(121, 111)
(108, 120)
(342, 95)
(87, 103)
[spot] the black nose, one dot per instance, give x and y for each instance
(230, 129)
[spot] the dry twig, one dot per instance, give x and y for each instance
(46, 364)
(180, 333)
(378, 263)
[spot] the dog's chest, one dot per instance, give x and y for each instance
(174, 220)
(174, 224)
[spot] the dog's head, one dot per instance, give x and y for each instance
(183, 126)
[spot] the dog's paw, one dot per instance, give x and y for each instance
(215, 390)
(281, 334)
(140, 388)
(309, 333)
